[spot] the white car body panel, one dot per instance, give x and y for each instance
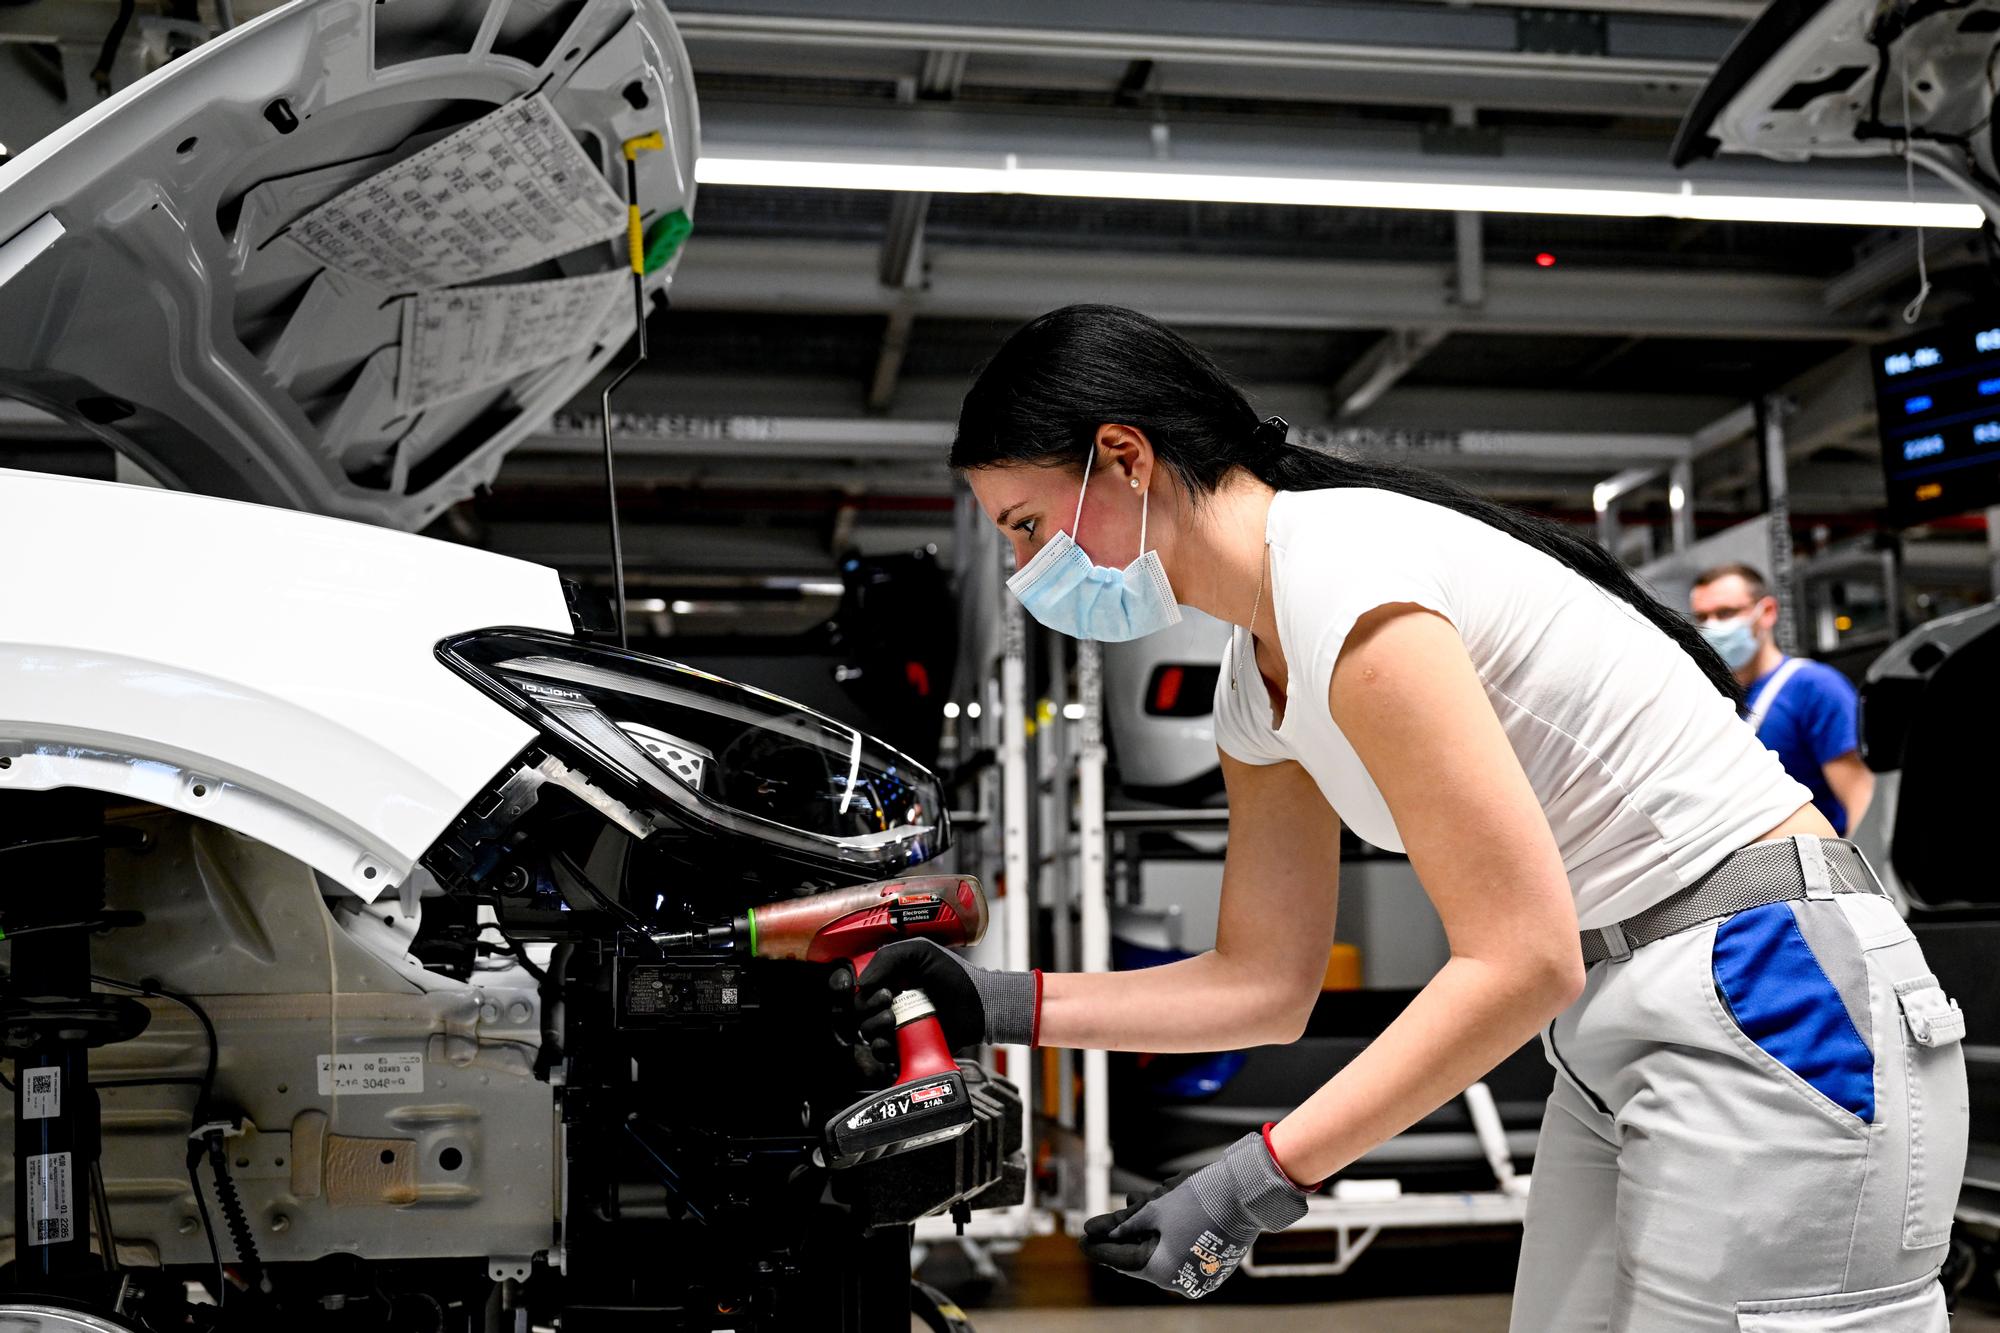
(271, 672)
(1801, 85)
(288, 977)
(150, 293)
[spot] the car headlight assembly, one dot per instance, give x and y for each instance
(713, 754)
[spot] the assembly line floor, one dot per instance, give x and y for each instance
(1456, 1288)
(1415, 1314)
(1421, 1314)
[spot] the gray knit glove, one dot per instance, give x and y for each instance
(974, 1004)
(1191, 1233)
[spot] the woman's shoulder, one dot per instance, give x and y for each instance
(1367, 517)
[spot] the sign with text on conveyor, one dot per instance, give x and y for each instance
(469, 338)
(511, 189)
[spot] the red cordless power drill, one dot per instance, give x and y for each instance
(929, 1102)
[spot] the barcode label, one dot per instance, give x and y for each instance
(41, 1093)
(50, 1217)
(376, 1073)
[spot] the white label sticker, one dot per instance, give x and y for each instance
(50, 1218)
(397, 1071)
(469, 338)
(41, 1093)
(509, 190)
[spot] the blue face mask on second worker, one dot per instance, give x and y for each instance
(1733, 640)
(1064, 590)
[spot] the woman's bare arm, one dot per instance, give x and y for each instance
(1406, 696)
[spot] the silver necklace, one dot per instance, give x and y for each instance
(1256, 603)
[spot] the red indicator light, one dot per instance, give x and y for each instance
(1545, 260)
(1167, 689)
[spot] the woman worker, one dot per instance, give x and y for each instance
(1759, 1116)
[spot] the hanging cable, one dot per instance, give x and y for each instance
(101, 1203)
(207, 1222)
(1915, 309)
(107, 55)
(233, 1215)
(149, 987)
(101, 921)
(625, 915)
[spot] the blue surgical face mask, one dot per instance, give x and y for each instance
(1065, 591)
(1733, 640)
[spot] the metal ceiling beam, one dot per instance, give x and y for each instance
(1326, 147)
(1832, 404)
(858, 438)
(1468, 232)
(1893, 264)
(713, 548)
(1376, 371)
(1735, 11)
(798, 277)
(1835, 404)
(1633, 48)
(1665, 100)
(705, 412)
(902, 264)
(1735, 424)
(671, 391)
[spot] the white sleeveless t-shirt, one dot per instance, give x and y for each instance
(1645, 772)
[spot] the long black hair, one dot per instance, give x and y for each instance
(1041, 398)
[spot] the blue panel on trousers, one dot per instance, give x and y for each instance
(1783, 1001)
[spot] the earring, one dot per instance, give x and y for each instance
(1135, 483)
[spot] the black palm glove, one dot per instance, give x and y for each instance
(1190, 1234)
(973, 1004)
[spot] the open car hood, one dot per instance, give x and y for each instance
(1827, 78)
(340, 259)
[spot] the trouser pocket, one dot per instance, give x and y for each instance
(1779, 998)
(1934, 1073)
(1912, 1307)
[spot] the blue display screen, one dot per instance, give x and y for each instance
(1937, 397)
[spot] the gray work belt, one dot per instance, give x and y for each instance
(1762, 873)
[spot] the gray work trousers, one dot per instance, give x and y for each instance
(1707, 1163)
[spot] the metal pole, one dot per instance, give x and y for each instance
(1017, 887)
(1095, 924)
(1777, 495)
(1892, 583)
(1059, 883)
(1470, 233)
(1680, 504)
(1606, 505)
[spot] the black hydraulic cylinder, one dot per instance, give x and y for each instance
(51, 872)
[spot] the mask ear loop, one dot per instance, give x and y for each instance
(1077, 520)
(1145, 498)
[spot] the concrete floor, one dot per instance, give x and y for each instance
(1415, 1314)
(1048, 1288)
(1420, 1314)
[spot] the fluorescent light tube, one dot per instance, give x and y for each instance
(1320, 192)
